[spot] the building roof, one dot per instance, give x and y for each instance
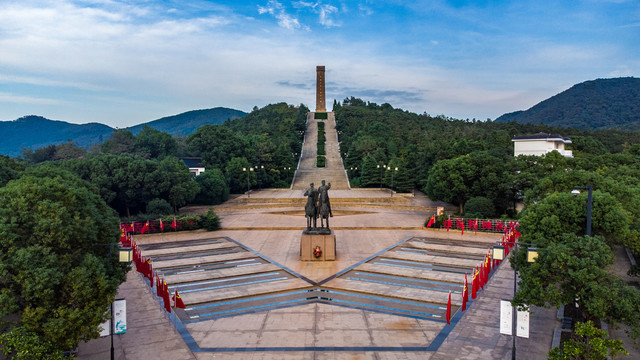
(193, 162)
(543, 136)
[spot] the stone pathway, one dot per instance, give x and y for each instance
(333, 172)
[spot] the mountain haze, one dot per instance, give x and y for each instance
(32, 132)
(597, 105)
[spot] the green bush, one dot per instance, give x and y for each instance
(159, 207)
(321, 150)
(479, 207)
(320, 161)
(210, 221)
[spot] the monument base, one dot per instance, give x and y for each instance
(318, 247)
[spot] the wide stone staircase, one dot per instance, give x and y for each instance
(307, 171)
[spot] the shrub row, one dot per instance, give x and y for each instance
(320, 161)
(209, 221)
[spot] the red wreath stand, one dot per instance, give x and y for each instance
(317, 252)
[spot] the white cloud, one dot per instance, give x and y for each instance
(325, 12)
(278, 11)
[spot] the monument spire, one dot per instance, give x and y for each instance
(320, 95)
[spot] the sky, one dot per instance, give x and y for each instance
(125, 62)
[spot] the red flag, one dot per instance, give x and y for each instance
(432, 220)
(150, 271)
(474, 284)
(161, 225)
(178, 300)
(447, 224)
(158, 286)
(465, 294)
(174, 224)
(462, 233)
(166, 297)
(130, 227)
(449, 308)
(145, 227)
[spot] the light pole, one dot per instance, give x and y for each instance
(497, 253)
(576, 192)
(248, 184)
(381, 168)
(124, 256)
(396, 169)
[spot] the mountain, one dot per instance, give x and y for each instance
(595, 105)
(187, 123)
(32, 132)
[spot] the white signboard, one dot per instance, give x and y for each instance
(522, 328)
(120, 316)
(506, 319)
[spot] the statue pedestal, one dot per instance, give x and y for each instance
(326, 243)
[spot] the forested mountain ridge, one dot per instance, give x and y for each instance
(188, 122)
(595, 104)
(32, 132)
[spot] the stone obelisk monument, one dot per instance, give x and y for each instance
(320, 95)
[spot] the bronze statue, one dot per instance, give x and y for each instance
(324, 206)
(311, 208)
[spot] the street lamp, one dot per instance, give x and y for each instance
(576, 192)
(396, 169)
(125, 255)
(497, 253)
(248, 184)
(381, 168)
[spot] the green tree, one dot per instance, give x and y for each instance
(588, 343)
(56, 276)
(370, 172)
(237, 177)
(120, 141)
(9, 169)
(450, 181)
(480, 207)
(217, 145)
(213, 187)
(157, 144)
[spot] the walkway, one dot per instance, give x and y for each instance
(333, 172)
(245, 292)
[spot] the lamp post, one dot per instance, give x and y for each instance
(576, 192)
(124, 256)
(396, 169)
(381, 168)
(248, 184)
(497, 253)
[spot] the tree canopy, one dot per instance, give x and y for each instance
(56, 276)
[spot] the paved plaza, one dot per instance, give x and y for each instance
(249, 296)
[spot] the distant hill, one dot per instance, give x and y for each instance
(188, 122)
(32, 132)
(595, 105)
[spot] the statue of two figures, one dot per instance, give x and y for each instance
(318, 206)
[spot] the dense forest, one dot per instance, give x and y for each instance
(595, 104)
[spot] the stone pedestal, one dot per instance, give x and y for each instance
(327, 244)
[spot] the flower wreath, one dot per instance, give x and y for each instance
(317, 252)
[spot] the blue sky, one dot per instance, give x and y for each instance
(127, 62)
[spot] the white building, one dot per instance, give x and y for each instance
(540, 144)
(194, 164)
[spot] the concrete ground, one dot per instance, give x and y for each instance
(368, 234)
